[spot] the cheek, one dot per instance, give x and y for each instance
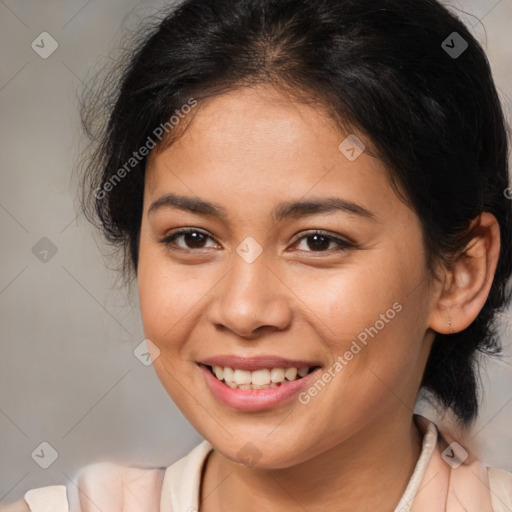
(382, 364)
(357, 297)
(373, 315)
(167, 298)
(167, 295)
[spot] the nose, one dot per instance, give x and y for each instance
(250, 300)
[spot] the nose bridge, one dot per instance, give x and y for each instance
(249, 296)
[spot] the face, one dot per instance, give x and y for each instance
(336, 284)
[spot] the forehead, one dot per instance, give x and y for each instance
(260, 142)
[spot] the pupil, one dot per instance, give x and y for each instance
(324, 245)
(194, 238)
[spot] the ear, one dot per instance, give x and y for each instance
(466, 284)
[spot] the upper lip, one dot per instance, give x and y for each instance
(257, 363)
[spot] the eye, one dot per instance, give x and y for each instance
(315, 241)
(319, 241)
(192, 237)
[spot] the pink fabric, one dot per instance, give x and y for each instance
(452, 489)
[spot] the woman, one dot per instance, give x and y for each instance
(312, 195)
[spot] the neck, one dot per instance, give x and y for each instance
(381, 457)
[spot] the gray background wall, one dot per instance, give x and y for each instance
(68, 375)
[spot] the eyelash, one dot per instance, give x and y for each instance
(343, 245)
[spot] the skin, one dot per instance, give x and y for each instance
(246, 151)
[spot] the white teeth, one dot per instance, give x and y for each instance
(290, 373)
(258, 379)
(229, 374)
(253, 386)
(261, 377)
(219, 372)
(242, 377)
(277, 374)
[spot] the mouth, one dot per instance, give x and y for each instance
(264, 378)
(257, 384)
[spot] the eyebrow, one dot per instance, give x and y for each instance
(284, 210)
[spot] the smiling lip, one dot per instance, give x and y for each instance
(257, 363)
(256, 399)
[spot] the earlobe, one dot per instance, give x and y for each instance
(467, 282)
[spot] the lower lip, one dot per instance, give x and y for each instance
(255, 399)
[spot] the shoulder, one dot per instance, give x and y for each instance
(42, 499)
(500, 484)
(99, 486)
(115, 488)
(456, 473)
(110, 486)
(477, 486)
